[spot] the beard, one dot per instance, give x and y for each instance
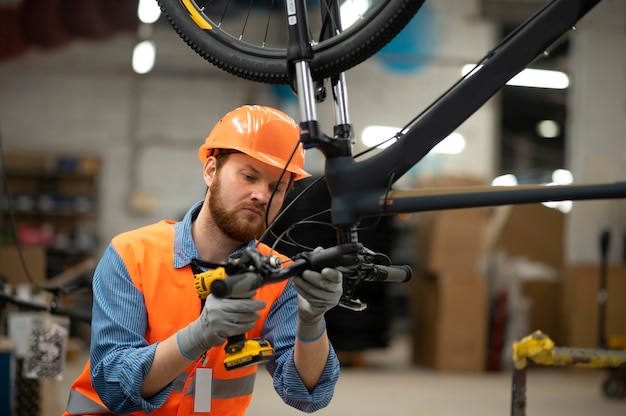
(226, 219)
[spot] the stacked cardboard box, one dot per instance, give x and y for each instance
(544, 311)
(450, 317)
(525, 245)
(533, 231)
(448, 294)
(12, 269)
(581, 310)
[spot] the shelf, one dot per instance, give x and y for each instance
(53, 203)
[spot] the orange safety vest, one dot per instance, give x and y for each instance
(148, 256)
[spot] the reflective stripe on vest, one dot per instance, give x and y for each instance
(148, 255)
(79, 404)
(228, 389)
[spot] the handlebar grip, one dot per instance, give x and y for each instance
(236, 286)
(389, 274)
(344, 255)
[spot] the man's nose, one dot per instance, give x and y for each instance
(262, 192)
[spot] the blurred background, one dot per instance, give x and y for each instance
(103, 107)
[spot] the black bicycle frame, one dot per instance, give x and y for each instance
(362, 188)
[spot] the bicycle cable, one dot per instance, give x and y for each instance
(269, 229)
(280, 238)
(275, 190)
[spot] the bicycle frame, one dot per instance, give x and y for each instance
(362, 188)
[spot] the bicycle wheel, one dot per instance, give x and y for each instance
(250, 41)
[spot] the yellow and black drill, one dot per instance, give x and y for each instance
(240, 351)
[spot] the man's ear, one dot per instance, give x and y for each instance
(208, 172)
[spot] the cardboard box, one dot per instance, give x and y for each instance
(530, 230)
(451, 241)
(11, 267)
(450, 320)
(544, 313)
(581, 310)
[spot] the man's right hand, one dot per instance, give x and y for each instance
(220, 319)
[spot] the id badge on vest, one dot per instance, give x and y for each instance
(202, 390)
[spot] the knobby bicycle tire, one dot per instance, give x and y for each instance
(201, 24)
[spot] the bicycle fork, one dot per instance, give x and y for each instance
(308, 92)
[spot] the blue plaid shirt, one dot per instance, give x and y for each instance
(119, 319)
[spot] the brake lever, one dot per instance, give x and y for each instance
(374, 267)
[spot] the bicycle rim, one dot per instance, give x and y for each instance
(249, 38)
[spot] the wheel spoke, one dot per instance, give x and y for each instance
(250, 38)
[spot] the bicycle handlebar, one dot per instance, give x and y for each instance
(235, 285)
(387, 274)
(351, 259)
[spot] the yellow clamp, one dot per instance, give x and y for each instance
(536, 346)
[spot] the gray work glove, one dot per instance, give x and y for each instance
(220, 319)
(317, 294)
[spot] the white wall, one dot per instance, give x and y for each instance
(597, 126)
(84, 98)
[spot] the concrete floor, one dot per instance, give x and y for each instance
(387, 384)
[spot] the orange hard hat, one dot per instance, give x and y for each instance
(263, 133)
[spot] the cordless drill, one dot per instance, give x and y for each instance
(240, 351)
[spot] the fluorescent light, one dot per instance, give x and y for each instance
(148, 11)
(562, 177)
(374, 136)
(548, 129)
(351, 11)
(563, 206)
(144, 57)
(505, 180)
(533, 78)
(451, 145)
(540, 78)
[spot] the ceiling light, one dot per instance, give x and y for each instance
(563, 206)
(144, 57)
(505, 180)
(148, 11)
(451, 145)
(351, 11)
(548, 129)
(562, 177)
(533, 78)
(384, 136)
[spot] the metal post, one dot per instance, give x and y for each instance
(518, 393)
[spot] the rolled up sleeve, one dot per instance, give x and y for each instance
(280, 330)
(120, 355)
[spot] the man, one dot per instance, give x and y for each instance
(155, 347)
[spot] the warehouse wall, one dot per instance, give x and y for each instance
(597, 130)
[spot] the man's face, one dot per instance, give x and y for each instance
(240, 193)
